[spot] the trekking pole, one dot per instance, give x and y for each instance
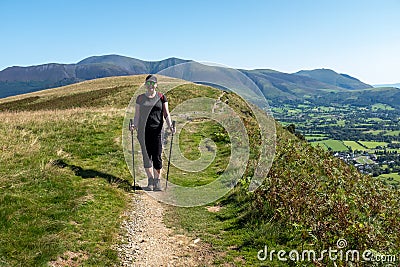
(169, 158)
(133, 155)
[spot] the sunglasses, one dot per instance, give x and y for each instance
(150, 83)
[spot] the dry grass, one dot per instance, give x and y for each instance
(90, 86)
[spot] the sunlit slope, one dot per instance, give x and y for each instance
(64, 183)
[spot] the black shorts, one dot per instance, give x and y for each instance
(151, 146)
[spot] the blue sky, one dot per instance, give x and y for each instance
(359, 38)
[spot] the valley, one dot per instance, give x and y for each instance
(367, 137)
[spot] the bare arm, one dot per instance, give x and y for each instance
(137, 115)
(167, 116)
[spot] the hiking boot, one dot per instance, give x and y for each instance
(157, 185)
(150, 183)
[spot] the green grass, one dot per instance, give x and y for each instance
(324, 109)
(320, 145)
(315, 137)
(63, 174)
(363, 125)
(392, 179)
(374, 132)
(331, 144)
(364, 160)
(190, 137)
(381, 107)
(47, 210)
(235, 239)
(64, 181)
(395, 176)
(354, 145)
(374, 120)
(372, 144)
(392, 133)
(298, 195)
(294, 110)
(278, 110)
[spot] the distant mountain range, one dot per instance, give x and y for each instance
(388, 85)
(277, 86)
(19, 80)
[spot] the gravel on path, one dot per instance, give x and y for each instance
(146, 241)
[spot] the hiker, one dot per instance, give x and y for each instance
(150, 110)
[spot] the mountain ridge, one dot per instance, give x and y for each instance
(331, 77)
(20, 80)
(278, 87)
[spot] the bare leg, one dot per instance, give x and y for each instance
(157, 174)
(149, 172)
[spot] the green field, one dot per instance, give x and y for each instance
(393, 133)
(374, 132)
(360, 125)
(374, 120)
(391, 179)
(315, 137)
(382, 107)
(324, 109)
(278, 110)
(331, 144)
(364, 160)
(341, 122)
(319, 144)
(395, 176)
(372, 144)
(385, 133)
(354, 145)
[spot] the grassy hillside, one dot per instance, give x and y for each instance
(65, 184)
(307, 203)
(63, 175)
(310, 200)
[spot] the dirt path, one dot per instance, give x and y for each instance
(217, 102)
(148, 242)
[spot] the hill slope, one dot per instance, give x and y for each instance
(63, 177)
(280, 86)
(337, 80)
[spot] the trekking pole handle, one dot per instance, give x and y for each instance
(131, 125)
(172, 127)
